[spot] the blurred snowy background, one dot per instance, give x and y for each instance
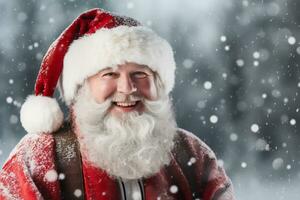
(237, 83)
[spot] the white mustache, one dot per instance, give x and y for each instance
(119, 97)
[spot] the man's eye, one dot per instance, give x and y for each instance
(139, 75)
(109, 74)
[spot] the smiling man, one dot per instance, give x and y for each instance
(121, 140)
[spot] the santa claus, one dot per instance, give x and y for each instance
(120, 140)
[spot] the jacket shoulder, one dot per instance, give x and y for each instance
(199, 165)
(30, 147)
(31, 168)
(191, 141)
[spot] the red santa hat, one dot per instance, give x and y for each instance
(95, 40)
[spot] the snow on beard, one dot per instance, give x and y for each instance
(130, 146)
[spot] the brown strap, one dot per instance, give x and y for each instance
(68, 164)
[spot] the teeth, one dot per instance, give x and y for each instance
(125, 104)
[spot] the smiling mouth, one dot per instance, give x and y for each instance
(130, 104)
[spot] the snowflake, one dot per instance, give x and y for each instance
(77, 193)
(227, 48)
(191, 161)
(243, 165)
(51, 175)
(224, 75)
(298, 50)
(61, 176)
(173, 189)
(291, 40)
(240, 62)
(292, 122)
(223, 38)
(245, 3)
(264, 95)
(277, 163)
(213, 119)
(130, 5)
(13, 119)
(254, 128)
(233, 137)
(256, 55)
(36, 45)
(207, 85)
(9, 100)
(188, 63)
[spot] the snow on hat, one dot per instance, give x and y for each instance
(95, 40)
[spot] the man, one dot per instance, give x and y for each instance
(122, 142)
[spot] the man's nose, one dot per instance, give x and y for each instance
(126, 85)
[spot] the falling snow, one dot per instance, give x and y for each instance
(188, 63)
(61, 176)
(227, 48)
(201, 104)
(255, 63)
(261, 145)
(173, 189)
(233, 137)
(207, 85)
(291, 40)
(256, 55)
(51, 176)
(9, 100)
(130, 5)
(277, 163)
(243, 165)
(13, 119)
(254, 128)
(292, 121)
(213, 119)
(224, 75)
(223, 38)
(298, 50)
(191, 161)
(77, 193)
(240, 62)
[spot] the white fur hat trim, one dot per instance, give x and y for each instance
(41, 114)
(88, 55)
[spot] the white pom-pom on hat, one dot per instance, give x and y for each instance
(41, 114)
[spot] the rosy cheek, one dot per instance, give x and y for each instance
(147, 88)
(101, 89)
(107, 89)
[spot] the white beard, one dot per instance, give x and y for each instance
(130, 146)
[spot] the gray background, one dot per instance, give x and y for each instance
(237, 78)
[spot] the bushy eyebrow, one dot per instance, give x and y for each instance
(144, 67)
(140, 69)
(107, 69)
